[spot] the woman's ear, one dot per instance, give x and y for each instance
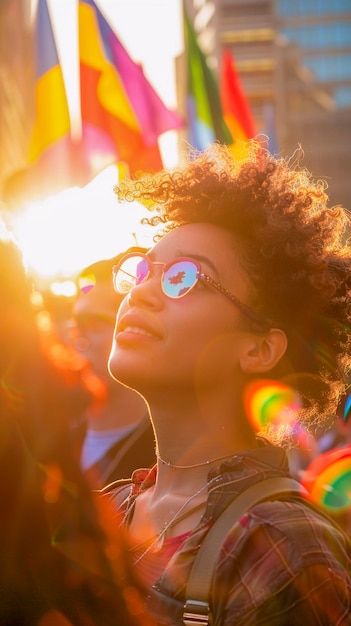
(264, 351)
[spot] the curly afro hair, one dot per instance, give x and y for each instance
(292, 245)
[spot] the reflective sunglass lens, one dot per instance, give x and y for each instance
(179, 278)
(131, 272)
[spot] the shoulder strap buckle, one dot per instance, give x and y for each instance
(196, 613)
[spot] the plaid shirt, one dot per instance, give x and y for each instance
(281, 564)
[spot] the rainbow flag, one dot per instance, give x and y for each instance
(204, 111)
(235, 105)
(122, 115)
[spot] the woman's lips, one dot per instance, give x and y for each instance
(138, 331)
(136, 326)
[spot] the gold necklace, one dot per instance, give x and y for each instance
(202, 464)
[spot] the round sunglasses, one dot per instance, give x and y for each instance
(178, 278)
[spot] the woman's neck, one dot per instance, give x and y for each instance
(173, 506)
(190, 449)
(212, 423)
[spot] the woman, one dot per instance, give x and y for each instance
(249, 282)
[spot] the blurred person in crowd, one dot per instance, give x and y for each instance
(58, 566)
(243, 302)
(114, 435)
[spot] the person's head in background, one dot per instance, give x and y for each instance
(94, 312)
(93, 318)
(120, 410)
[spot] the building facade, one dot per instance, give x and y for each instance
(16, 97)
(294, 59)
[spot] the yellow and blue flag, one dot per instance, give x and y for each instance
(55, 161)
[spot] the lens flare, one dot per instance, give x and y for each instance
(328, 479)
(87, 282)
(270, 403)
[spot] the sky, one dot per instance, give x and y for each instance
(65, 232)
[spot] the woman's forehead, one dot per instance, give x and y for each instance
(199, 238)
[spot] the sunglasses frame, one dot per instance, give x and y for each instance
(200, 276)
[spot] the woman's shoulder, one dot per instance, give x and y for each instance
(303, 529)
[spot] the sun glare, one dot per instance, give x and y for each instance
(65, 232)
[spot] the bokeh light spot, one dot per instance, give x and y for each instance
(328, 479)
(271, 403)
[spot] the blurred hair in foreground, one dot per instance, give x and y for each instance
(59, 562)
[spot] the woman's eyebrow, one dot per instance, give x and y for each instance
(190, 255)
(203, 259)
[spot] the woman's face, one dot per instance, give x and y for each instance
(162, 343)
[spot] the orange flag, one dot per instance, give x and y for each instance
(235, 105)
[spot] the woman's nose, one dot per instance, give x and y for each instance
(148, 292)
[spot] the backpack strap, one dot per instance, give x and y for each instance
(197, 609)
